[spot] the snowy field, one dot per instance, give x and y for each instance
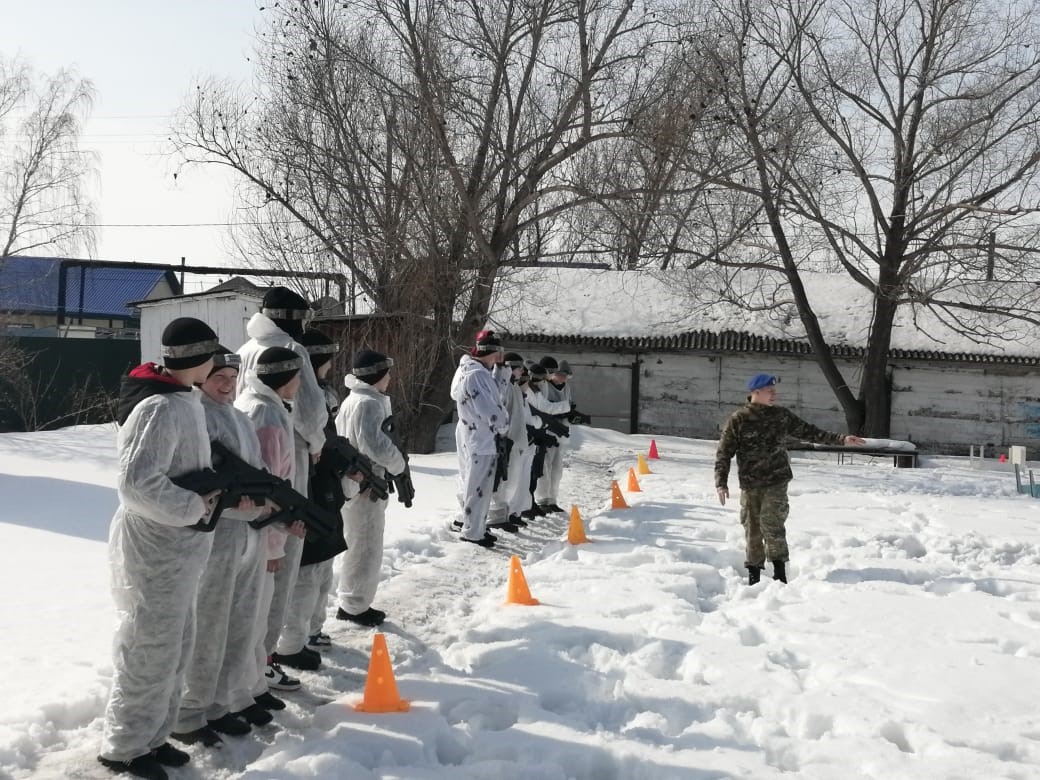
(907, 644)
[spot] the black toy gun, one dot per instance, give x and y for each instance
(399, 483)
(553, 423)
(540, 438)
(342, 458)
(234, 479)
(574, 417)
(503, 448)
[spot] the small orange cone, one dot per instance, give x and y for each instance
(641, 465)
(617, 501)
(576, 532)
(518, 592)
(380, 687)
(633, 483)
(653, 450)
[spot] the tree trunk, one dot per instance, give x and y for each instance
(875, 388)
(435, 406)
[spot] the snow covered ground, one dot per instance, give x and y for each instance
(907, 644)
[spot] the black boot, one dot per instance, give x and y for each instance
(779, 571)
(754, 574)
(146, 766)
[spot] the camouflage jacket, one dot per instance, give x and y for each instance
(757, 434)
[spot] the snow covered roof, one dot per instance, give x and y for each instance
(652, 310)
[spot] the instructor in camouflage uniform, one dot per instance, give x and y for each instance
(757, 434)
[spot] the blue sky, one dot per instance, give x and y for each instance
(142, 57)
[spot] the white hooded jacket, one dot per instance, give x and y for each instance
(273, 424)
(309, 410)
(360, 421)
(232, 428)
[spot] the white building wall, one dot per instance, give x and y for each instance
(942, 407)
(227, 313)
(949, 408)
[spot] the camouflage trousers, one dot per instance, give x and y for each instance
(763, 513)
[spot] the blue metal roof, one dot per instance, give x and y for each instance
(30, 285)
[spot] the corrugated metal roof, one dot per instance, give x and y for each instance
(30, 285)
(734, 341)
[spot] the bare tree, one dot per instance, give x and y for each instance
(421, 144)
(897, 134)
(43, 204)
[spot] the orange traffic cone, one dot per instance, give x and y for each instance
(641, 465)
(633, 483)
(576, 531)
(617, 501)
(380, 687)
(653, 450)
(517, 591)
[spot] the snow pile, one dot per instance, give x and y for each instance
(907, 644)
(590, 302)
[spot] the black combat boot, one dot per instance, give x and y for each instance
(779, 571)
(754, 574)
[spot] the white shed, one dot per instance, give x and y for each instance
(226, 311)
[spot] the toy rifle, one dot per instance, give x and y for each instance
(341, 458)
(235, 479)
(399, 483)
(553, 423)
(574, 417)
(503, 448)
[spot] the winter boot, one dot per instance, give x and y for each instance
(779, 571)
(517, 520)
(370, 617)
(204, 736)
(506, 526)
(485, 542)
(255, 715)
(269, 701)
(319, 640)
(167, 755)
(146, 766)
(754, 574)
(232, 725)
(308, 662)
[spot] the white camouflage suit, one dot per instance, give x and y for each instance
(156, 561)
(514, 494)
(477, 395)
(360, 421)
(309, 416)
(222, 674)
(559, 399)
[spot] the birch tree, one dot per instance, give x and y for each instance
(44, 207)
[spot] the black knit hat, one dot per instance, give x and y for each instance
(487, 343)
(371, 366)
(549, 364)
(225, 358)
(319, 346)
(187, 343)
(513, 360)
(537, 371)
(276, 366)
(289, 310)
